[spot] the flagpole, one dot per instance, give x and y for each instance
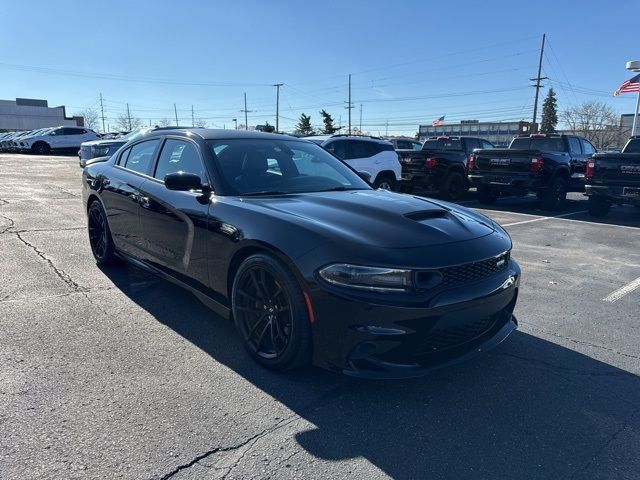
(635, 116)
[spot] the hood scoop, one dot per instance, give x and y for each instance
(422, 215)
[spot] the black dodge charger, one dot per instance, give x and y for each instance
(312, 264)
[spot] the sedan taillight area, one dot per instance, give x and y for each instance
(590, 168)
(536, 164)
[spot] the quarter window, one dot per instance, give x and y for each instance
(179, 156)
(574, 146)
(587, 148)
(140, 156)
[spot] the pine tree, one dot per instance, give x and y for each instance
(304, 125)
(549, 113)
(328, 129)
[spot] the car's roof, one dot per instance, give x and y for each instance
(219, 134)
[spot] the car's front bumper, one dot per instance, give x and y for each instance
(365, 339)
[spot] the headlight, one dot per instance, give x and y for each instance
(100, 151)
(377, 279)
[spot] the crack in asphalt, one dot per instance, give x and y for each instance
(61, 274)
(323, 399)
(62, 229)
(10, 226)
(579, 342)
(213, 451)
(606, 444)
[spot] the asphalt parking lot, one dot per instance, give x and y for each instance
(112, 373)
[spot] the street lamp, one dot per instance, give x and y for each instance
(235, 120)
(634, 66)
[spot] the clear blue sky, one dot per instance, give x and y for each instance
(411, 61)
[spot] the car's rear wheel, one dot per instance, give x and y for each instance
(99, 235)
(41, 148)
(270, 313)
(487, 195)
(554, 196)
(598, 207)
(453, 187)
(385, 182)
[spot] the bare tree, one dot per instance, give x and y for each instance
(91, 118)
(200, 123)
(164, 122)
(126, 123)
(596, 121)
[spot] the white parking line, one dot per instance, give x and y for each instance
(621, 292)
(543, 218)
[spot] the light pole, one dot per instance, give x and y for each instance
(635, 67)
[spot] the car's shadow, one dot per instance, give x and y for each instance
(529, 409)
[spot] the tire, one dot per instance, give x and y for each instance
(385, 182)
(454, 186)
(100, 239)
(270, 313)
(598, 206)
(554, 196)
(41, 148)
(486, 195)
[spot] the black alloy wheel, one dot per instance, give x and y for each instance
(41, 148)
(453, 186)
(554, 196)
(598, 207)
(486, 195)
(270, 313)
(99, 235)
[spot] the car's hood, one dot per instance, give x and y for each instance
(380, 218)
(113, 141)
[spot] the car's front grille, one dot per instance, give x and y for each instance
(440, 340)
(474, 271)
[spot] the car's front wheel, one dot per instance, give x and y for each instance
(385, 182)
(270, 313)
(554, 196)
(487, 195)
(99, 235)
(41, 148)
(454, 186)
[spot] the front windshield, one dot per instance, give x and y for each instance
(265, 166)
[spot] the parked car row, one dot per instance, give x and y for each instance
(46, 140)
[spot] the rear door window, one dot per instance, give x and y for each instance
(141, 155)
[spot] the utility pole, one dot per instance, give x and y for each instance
(537, 84)
(175, 110)
(277, 85)
(102, 112)
(386, 128)
(193, 120)
(129, 116)
(246, 120)
(360, 118)
(349, 104)
(235, 121)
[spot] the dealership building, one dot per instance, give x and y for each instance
(498, 133)
(31, 114)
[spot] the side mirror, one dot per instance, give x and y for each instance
(182, 181)
(365, 176)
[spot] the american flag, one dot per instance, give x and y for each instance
(441, 119)
(632, 85)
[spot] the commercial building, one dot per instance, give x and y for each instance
(31, 114)
(498, 133)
